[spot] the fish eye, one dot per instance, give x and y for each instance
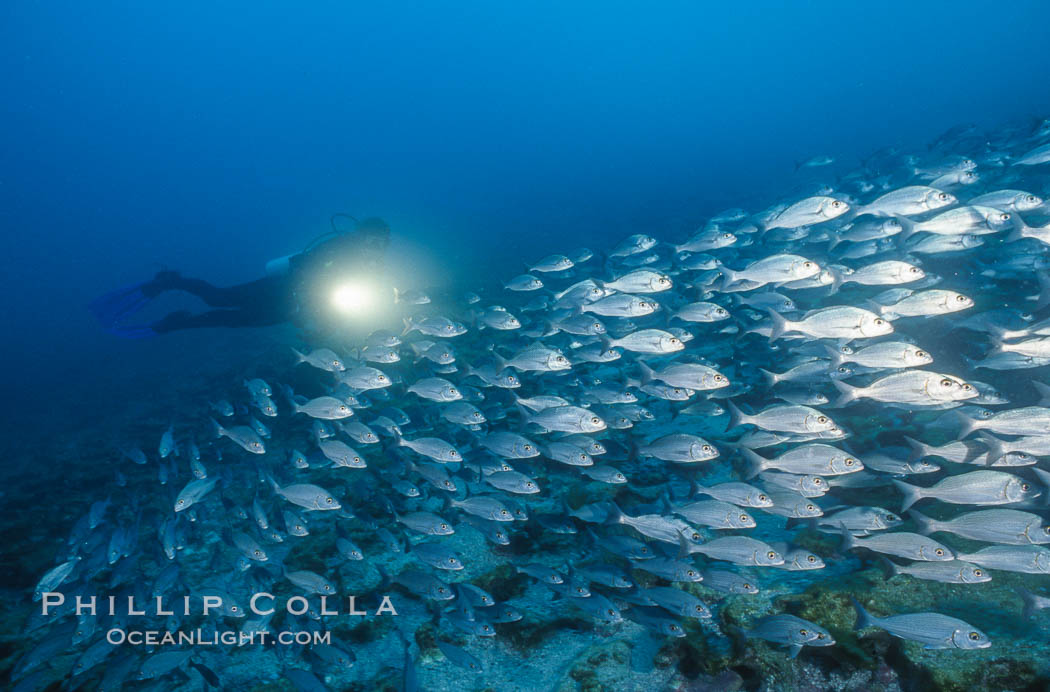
(943, 197)
(810, 507)
(822, 419)
(967, 387)
(1004, 217)
(920, 354)
(977, 572)
(1024, 487)
(960, 298)
(820, 635)
(974, 636)
(595, 420)
(744, 518)
(181, 502)
(879, 321)
(771, 555)
(706, 448)
(233, 609)
(720, 311)
(443, 526)
(817, 481)
(691, 573)
(762, 498)
(938, 552)
(850, 461)
(803, 632)
(843, 370)
(257, 553)
(527, 448)
(811, 558)
(807, 265)
(946, 382)
(727, 236)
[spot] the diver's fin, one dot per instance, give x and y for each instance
(115, 305)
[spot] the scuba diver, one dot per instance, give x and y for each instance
(293, 290)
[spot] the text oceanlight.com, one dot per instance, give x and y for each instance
(201, 637)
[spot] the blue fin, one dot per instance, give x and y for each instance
(116, 305)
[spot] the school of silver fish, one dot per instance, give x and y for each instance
(854, 359)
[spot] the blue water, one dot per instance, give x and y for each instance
(142, 136)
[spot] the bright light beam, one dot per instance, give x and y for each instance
(353, 298)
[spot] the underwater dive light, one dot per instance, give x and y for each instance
(353, 298)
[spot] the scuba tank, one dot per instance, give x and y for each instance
(281, 266)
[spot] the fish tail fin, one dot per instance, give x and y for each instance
(647, 373)
(892, 567)
(300, 358)
(1015, 234)
(837, 279)
(755, 462)
(736, 416)
(607, 342)
(1029, 602)
(836, 356)
(616, 515)
(683, 546)
(771, 377)
(918, 449)
(967, 425)
(909, 228)
(1044, 392)
(780, 325)
(864, 618)
(526, 414)
(911, 493)
(847, 393)
(996, 447)
(923, 524)
(849, 541)
(409, 326)
(218, 429)
(397, 296)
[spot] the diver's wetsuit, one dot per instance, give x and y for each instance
(289, 297)
(261, 303)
